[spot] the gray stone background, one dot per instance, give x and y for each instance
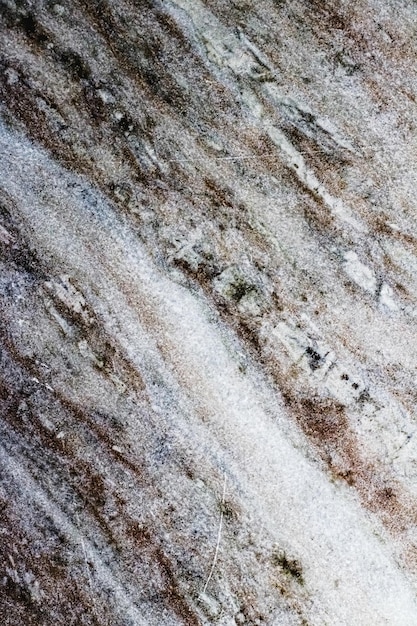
(208, 313)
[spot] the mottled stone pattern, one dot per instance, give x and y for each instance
(208, 279)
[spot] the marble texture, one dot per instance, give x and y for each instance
(208, 313)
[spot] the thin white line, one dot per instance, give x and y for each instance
(213, 565)
(231, 158)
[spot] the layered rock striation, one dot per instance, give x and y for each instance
(208, 313)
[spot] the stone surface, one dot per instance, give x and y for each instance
(208, 313)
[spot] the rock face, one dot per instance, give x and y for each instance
(208, 313)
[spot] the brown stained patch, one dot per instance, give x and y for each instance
(332, 17)
(145, 542)
(363, 47)
(204, 273)
(327, 426)
(173, 595)
(170, 28)
(91, 485)
(219, 196)
(21, 101)
(329, 15)
(89, 488)
(260, 146)
(251, 150)
(290, 591)
(231, 511)
(248, 331)
(381, 228)
(18, 416)
(400, 279)
(382, 98)
(139, 534)
(219, 204)
(146, 56)
(317, 147)
(64, 295)
(409, 558)
(104, 436)
(323, 421)
(219, 210)
(318, 215)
